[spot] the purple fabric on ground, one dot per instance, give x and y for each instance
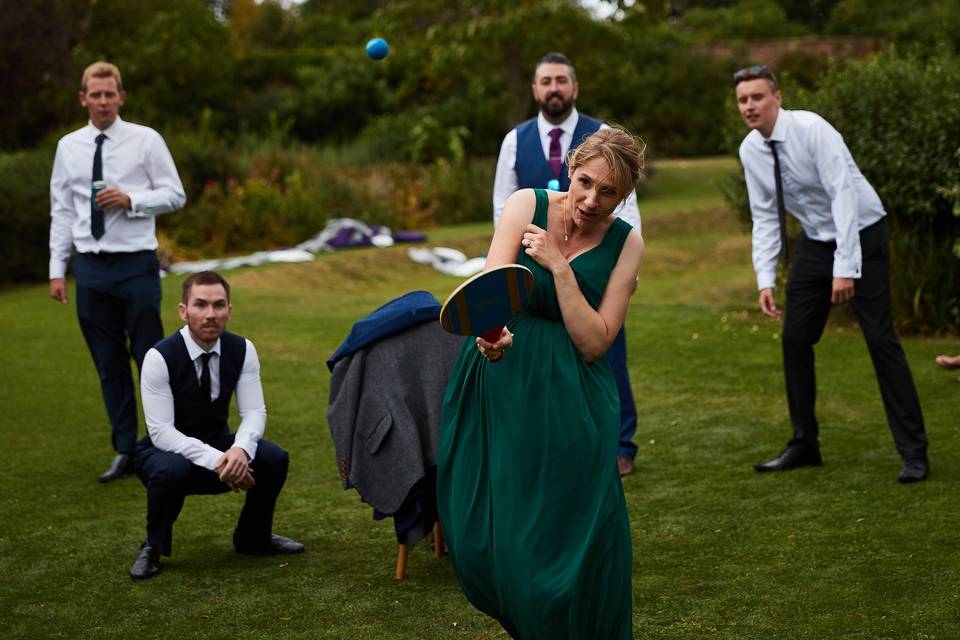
(348, 237)
(409, 236)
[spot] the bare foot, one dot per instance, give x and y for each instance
(949, 362)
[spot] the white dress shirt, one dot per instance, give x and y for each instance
(135, 160)
(158, 409)
(505, 181)
(822, 188)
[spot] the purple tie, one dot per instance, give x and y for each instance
(555, 159)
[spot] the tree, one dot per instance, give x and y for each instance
(41, 80)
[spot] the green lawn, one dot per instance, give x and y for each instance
(719, 551)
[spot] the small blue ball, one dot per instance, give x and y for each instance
(553, 184)
(377, 48)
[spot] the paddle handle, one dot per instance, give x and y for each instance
(492, 336)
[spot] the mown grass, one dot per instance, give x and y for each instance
(719, 551)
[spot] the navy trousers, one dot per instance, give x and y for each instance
(169, 478)
(617, 359)
(118, 306)
(808, 304)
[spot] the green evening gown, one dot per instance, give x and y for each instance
(527, 485)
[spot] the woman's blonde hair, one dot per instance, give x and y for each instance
(622, 151)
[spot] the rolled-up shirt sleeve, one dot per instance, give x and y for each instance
(166, 193)
(250, 404)
(158, 411)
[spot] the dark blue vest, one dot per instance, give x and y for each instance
(195, 415)
(533, 170)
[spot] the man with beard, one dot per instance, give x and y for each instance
(533, 156)
(186, 385)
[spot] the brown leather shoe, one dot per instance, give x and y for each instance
(625, 466)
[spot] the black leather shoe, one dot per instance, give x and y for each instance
(146, 564)
(277, 545)
(791, 458)
(913, 471)
(121, 465)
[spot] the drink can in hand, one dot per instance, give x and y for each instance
(97, 187)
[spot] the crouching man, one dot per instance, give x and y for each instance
(186, 385)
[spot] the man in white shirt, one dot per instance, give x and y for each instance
(186, 385)
(796, 162)
(533, 156)
(116, 267)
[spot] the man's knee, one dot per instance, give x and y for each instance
(271, 460)
(798, 337)
(162, 469)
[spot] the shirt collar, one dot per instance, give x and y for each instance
(193, 349)
(568, 125)
(779, 133)
(113, 132)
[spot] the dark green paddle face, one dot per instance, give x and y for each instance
(483, 304)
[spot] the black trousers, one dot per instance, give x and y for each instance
(118, 306)
(169, 478)
(808, 305)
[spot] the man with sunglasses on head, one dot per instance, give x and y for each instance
(533, 156)
(795, 161)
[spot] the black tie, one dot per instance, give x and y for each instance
(781, 209)
(96, 213)
(205, 376)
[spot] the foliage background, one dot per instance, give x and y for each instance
(278, 121)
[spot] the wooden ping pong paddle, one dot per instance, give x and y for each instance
(484, 303)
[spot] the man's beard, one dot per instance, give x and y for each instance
(556, 108)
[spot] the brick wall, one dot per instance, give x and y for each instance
(770, 52)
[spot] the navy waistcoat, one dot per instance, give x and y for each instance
(533, 170)
(195, 415)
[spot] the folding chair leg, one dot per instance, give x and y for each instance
(437, 540)
(401, 563)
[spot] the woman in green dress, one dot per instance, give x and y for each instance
(527, 483)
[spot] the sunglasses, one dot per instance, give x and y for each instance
(752, 73)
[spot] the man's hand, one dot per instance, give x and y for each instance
(842, 290)
(234, 469)
(113, 198)
(58, 289)
(768, 305)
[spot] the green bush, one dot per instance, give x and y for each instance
(253, 194)
(926, 24)
(900, 117)
(25, 221)
(276, 194)
(745, 20)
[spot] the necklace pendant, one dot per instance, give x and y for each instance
(566, 238)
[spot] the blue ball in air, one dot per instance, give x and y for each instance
(377, 48)
(553, 184)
